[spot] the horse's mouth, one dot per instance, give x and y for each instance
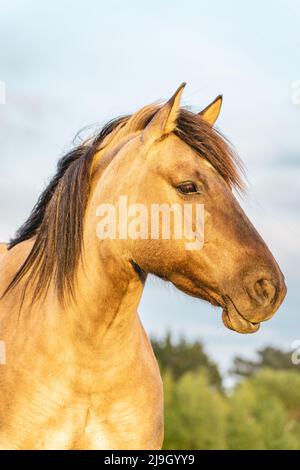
(234, 320)
(231, 316)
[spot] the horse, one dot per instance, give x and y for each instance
(80, 372)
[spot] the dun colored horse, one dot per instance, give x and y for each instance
(80, 372)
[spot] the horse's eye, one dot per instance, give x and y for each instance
(187, 188)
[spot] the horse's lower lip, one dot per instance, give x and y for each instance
(233, 320)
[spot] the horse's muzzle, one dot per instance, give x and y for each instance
(262, 294)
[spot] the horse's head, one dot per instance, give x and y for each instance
(176, 157)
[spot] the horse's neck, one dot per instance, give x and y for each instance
(108, 289)
(103, 315)
(107, 293)
(3, 248)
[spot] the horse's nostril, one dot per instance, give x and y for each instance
(264, 292)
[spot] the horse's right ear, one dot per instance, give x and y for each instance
(165, 119)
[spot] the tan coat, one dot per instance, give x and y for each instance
(81, 374)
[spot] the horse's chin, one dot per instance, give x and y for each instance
(233, 320)
(231, 316)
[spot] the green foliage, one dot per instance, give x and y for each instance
(261, 412)
(269, 357)
(265, 412)
(242, 429)
(184, 357)
(194, 413)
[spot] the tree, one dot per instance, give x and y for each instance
(195, 413)
(183, 357)
(242, 430)
(264, 412)
(269, 357)
(261, 412)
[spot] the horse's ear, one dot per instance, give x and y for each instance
(211, 113)
(165, 120)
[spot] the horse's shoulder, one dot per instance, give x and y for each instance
(11, 260)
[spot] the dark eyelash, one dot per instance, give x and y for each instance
(188, 187)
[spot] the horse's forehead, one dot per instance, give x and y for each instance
(180, 151)
(175, 146)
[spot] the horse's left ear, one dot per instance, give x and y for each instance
(165, 120)
(211, 113)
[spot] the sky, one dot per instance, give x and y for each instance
(68, 64)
